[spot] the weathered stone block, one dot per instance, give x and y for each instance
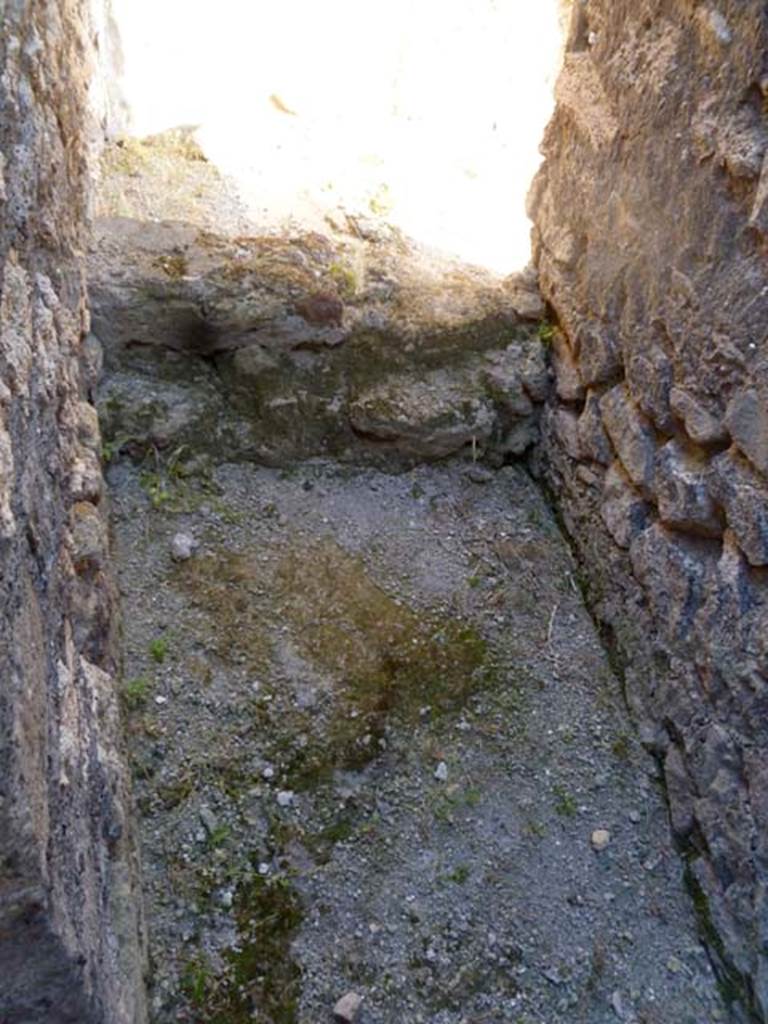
(679, 793)
(623, 509)
(632, 437)
(700, 424)
(598, 354)
(747, 420)
(676, 573)
(563, 424)
(568, 382)
(430, 418)
(743, 493)
(682, 492)
(649, 375)
(593, 439)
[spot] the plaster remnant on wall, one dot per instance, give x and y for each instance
(580, 91)
(15, 319)
(714, 22)
(7, 478)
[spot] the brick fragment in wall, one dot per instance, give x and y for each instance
(747, 421)
(568, 382)
(682, 491)
(593, 439)
(598, 354)
(743, 494)
(632, 437)
(700, 424)
(623, 509)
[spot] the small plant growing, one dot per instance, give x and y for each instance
(565, 802)
(135, 693)
(155, 489)
(546, 332)
(459, 875)
(344, 278)
(158, 649)
(218, 836)
(621, 747)
(196, 981)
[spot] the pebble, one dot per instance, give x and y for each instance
(182, 547)
(618, 1005)
(208, 818)
(480, 475)
(601, 837)
(441, 772)
(348, 1007)
(674, 966)
(634, 817)
(285, 798)
(160, 700)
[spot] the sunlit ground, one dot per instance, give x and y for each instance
(429, 112)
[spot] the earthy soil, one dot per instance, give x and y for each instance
(373, 732)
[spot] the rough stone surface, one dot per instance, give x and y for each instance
(70, 912)
(273, 348)
(649, 238)
(375, 753)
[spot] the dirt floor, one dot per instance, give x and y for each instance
(379, 750)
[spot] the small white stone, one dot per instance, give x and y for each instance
(601, 837)
(182, 547)
(441, 772)
(268, 772)
(160, 700)
(285, 797)
(348, 1007)
(618, 1005)
(263, 868)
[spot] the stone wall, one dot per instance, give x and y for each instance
(651, 236)
(70, 923)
